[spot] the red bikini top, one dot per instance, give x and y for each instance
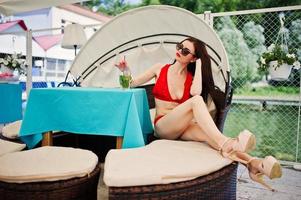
(160, 90)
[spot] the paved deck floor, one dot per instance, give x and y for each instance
(288, 187)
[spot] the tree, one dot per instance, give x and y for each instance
(295, 36)
(191, 5)
(242, 61)
(253, 35)
(114, 7)
(278, 3)
(199, 6)
(109, 7)
(150, 2)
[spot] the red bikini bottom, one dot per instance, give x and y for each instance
(157, 119)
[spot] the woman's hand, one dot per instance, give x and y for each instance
(122, 64)
(198, 63)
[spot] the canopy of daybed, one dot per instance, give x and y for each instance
(145, 36)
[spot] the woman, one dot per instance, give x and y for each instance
(178, 102)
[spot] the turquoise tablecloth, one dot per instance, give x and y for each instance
(10, 102)
(113, 112)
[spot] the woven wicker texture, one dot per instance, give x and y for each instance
(84, 188)
(218, 185)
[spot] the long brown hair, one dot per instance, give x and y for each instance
(201, 52)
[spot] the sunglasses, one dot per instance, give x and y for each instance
(184, 51)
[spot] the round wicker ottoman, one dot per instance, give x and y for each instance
(218, 185)
(76, 188)
(11, 130)
(169, 169)
(57, 173)
(9, 141)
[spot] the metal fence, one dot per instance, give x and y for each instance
(269, 107)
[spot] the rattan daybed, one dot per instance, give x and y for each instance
(147, 36)
(218, 185)
(76, 188)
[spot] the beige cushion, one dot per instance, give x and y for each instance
(8, 147)
(161, 162)
(11, 130)
(46, 164)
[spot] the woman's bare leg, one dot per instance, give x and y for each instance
(195, 133)
(247, 158)
(174, 124)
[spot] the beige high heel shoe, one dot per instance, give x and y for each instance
(269, 167)
(245, 142)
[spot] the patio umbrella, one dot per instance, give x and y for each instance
(51, 47)
(48, 41)
(145, 36)
(13, 26)
(13, 39)
(10, 7)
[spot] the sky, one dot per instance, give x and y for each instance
(133, 1)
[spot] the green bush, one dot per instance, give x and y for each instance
(243, 62)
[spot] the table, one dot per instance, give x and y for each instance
(98, 111)
(10, 102)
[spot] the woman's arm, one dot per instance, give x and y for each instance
(196, 87)
(146, 76)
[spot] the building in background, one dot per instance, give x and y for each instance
(50, 61)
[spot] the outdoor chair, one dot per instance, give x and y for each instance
(9, 141)
(49, 173)
(219, 184)
(146, 36)
(10, 133)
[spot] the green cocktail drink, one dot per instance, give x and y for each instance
(124, 81)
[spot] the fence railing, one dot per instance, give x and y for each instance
(267, 106)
